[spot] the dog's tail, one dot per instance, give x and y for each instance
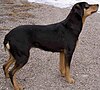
(6, 44)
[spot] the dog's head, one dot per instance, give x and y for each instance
(84, 9)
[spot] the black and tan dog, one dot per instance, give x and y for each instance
(59, 37)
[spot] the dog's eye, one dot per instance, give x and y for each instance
(86, 6)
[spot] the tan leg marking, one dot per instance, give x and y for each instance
(7, 65)
(16, 85)
(68, 76)
(62, 63)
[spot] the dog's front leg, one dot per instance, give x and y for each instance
(68, 77)
(62, 63)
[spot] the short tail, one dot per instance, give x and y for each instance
(6, 44)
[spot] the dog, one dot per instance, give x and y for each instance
(60, 37)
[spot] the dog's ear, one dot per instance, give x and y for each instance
(78, 10)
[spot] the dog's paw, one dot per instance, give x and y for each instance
(70, 80)
(18, 87)
(62, 73)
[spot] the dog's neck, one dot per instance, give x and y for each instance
(74, 22)
(83, 19)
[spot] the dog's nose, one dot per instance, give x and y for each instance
(97, 5)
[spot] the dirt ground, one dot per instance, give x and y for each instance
(42, 70)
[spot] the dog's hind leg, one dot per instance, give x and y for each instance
(20, 62)
(7, 65)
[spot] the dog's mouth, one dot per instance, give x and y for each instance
(95, 8)
(94, 12)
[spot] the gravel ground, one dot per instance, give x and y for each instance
(42, 70)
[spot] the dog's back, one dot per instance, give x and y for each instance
(49, 38)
